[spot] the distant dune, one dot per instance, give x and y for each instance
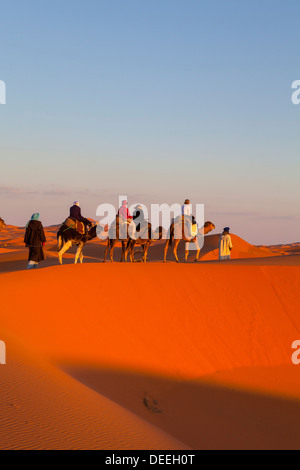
(156, 356)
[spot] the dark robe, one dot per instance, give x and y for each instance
(75, 213)
(34, 239)
(139, 214)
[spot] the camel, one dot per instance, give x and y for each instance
(2, 224)
(128, 243)
(144, 242)
(113, 238)
(67, 237)
(208, 227)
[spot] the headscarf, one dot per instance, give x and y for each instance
(76, 203)
(35, 216)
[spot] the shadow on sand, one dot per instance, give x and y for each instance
(201, 415)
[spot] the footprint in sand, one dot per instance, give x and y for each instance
(151, 405)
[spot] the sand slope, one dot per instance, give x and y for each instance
(43, 408)
(158, 355)
(241, 249)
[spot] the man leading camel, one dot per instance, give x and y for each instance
(225, 245)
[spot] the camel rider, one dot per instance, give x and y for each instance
(75, 214)
(187, 212)
(138, 216)
(124, 213)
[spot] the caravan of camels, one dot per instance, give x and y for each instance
(124, 233)
(129, 231)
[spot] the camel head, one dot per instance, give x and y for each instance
(2, 224)
(208, 227)
(92, 233)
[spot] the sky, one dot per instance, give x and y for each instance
(158, 100)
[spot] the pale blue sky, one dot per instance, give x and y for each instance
(160, 100)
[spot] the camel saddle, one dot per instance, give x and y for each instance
(75, 225)
(123, 226)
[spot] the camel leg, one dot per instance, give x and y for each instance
(132, 245)
(112, 249)
(175, 249)
(81, 257)
(127, 250)
(144, 255)
(198, 250)
(59, 242)
(166, 250)
(146, 248)
(65, 248)
(124, 248)
(132, 252)
(106, 251)
(78, 253)
(186, 251)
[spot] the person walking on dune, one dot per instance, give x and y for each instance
(225, 245)
(35, 240)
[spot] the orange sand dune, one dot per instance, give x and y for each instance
(174, 359)
(241, 249)
(43, 408)
(149, 356)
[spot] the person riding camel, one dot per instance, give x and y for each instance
(187, 212)
(124, 213)
(138, 214)
(123, 220)
(75, 214)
